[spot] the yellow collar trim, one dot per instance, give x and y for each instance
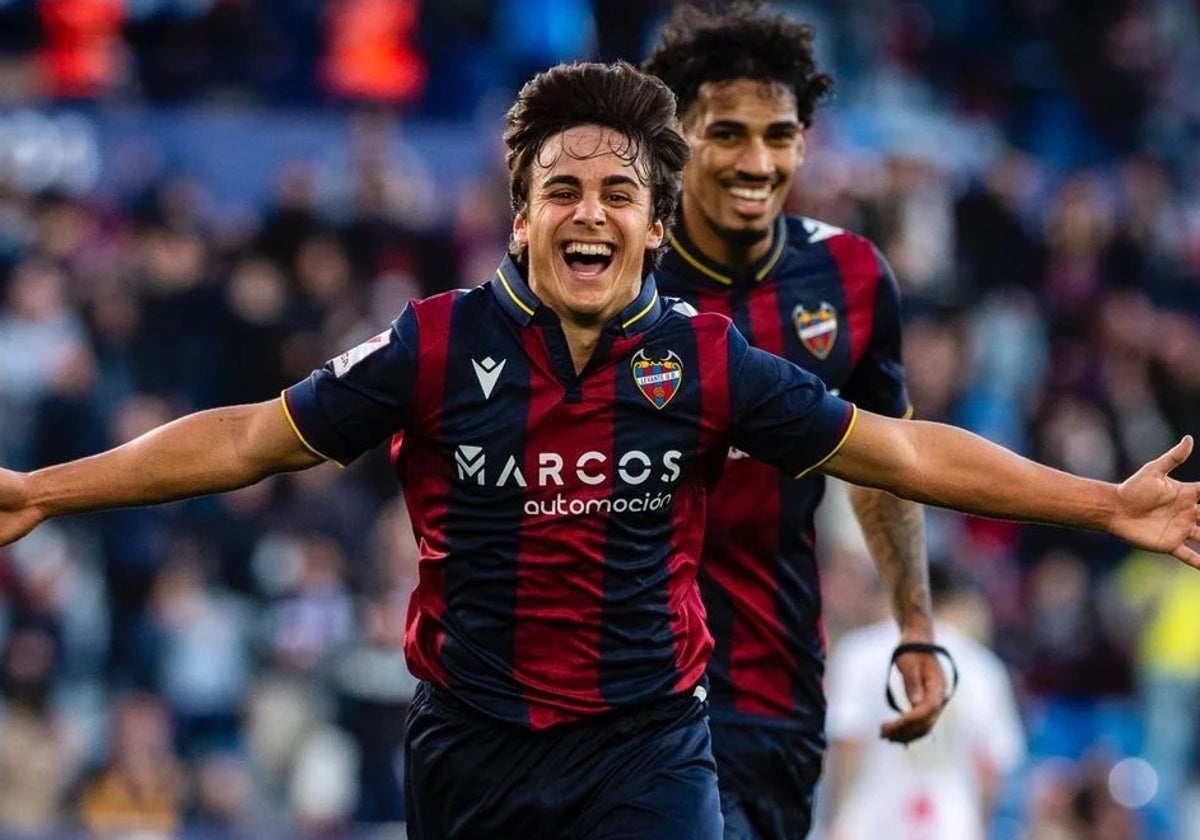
(504, 282)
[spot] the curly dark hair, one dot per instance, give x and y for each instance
(616, 96)
(742, 41)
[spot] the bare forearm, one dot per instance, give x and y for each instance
(950, 467)
(894, 530)
(207, 452)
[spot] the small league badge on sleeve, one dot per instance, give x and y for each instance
(343, 363)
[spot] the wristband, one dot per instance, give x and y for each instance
(921, 647)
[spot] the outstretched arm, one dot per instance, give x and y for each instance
(206, 452)
(950, 467)
(894, 530)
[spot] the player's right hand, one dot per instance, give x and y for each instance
(925, 685)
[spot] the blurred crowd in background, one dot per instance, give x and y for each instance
(232, 665)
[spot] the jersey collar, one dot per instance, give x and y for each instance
(686, 250)
(512, 292)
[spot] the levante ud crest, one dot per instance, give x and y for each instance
(657, 379)
(817, 330)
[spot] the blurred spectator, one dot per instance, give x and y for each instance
(202, 636)
(372, 678)
(912, 218)
(291, 216)
(1078, 232)
(140, 789)
(134, 543)
(37, 761)
(328, 297)
(113, 312)
(944, 786)
(1167, 608)
(283, 709)
(69, 421)
(1076, 664)
(225, 800)
(395, 228)
(996, 245)
(39, 334)
(322, 793)
(1076, 802)
(375, 688)
(180, 318)
(255, 327)
(315, 619)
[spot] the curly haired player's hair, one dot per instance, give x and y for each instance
(743, 41)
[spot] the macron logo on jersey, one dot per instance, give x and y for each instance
(487, 372)
(343, 363)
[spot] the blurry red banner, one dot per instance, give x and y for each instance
(369, 51)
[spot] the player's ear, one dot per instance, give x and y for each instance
(520, 231)
(655, 237)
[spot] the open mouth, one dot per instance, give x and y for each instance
(750, 200)
(743, 193)
(588, 259)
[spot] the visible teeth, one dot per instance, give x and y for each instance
(760, 194)
(600, 249)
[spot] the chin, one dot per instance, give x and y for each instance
(745, 235)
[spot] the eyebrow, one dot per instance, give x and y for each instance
(735, 125)
(606, 181)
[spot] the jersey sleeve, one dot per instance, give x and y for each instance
(782, 414)
(877, 381)
(360, 398)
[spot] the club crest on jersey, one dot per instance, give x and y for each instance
(817, 330)
(657, 379)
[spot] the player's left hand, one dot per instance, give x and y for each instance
(926, 687)
(1158, 513)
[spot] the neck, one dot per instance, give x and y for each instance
(581, 341)
(737, 254)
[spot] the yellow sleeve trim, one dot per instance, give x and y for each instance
(840, 443)
(296, 429)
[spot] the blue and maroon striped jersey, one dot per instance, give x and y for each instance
(560, 516)
(826, 300)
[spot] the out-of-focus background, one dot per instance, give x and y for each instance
(202, 200)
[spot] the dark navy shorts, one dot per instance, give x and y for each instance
(647, 774)
(768, 775)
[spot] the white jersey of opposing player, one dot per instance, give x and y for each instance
(931, 789)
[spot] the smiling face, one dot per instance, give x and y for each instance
(747, 143)
(588, 224)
